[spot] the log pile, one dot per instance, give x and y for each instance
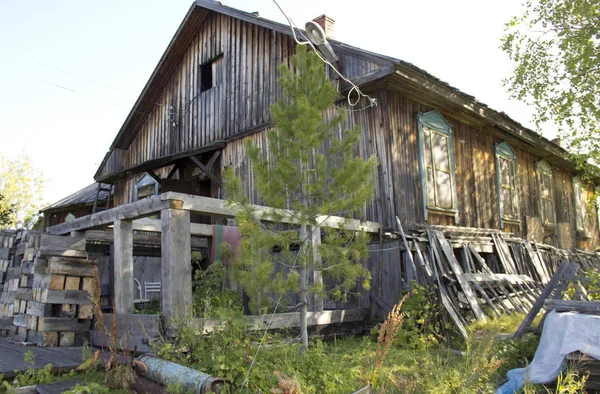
(49, 281)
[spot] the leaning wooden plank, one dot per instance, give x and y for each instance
(496, 296)
(429, 276)
(540, 301)
(535, 259)
(453, 313)
(486, 298)
(407, 251)
(464, 284)
(586, 307)
(62, 324)
(511, 297)
(569, 274)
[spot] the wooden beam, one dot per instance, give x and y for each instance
(204, 205)
(204, 169)
(174, 170)
(123, 266)
(154, 225)
(586, 307)
(176, 265)
(134, 210)
(154, 176)
(211, 162)
(554, 281)
(215, 207)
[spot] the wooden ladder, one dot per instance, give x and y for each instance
(102, 187)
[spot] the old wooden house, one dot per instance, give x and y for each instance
(445, 158)
(446, 162)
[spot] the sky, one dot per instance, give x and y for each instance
(71, 70)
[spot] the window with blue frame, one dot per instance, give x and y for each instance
(507, 183)
(546, 190)
(436, 154)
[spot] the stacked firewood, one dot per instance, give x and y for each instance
(51, 290)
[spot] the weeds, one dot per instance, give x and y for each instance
(117, 375)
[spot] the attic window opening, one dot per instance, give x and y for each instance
(208, 73)
(206, 76)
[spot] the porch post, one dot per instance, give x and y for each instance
(175, 261)
(123, 266)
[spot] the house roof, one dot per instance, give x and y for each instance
(394, 74)
(85, 196)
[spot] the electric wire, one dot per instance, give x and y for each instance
(356, 89)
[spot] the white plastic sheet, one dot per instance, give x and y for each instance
(563, 333)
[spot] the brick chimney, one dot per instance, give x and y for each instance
(326, 23)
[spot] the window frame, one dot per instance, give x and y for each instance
(542, 167)
(136, 196)
(211, 64)
(505, 151)
(582, 224)
(436, 123)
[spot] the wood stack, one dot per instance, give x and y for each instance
(50, 286)
(9, 279)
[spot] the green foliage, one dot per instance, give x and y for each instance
(423, 325)
(7, 211)
(568, 382)
(311, 166)
(345, 365)
(590, 280)
(210, 293)
(555, 46)
(91, 388)
(32, 376)
(21, 187)
(178, 388)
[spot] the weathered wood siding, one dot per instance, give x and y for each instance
(475, 176)
(237, 107)
(375, 141)
(245, 72)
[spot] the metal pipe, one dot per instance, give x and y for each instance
(165, 372)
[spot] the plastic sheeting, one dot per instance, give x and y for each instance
(563, 333)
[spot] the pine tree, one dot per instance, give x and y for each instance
(312, 168)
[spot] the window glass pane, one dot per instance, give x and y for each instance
(546, 186)
(427, 146)
(505, 171)
(507, 205)
(515, 199)
(549, 212)
(430, 188)
(440, 152)
(444, 189)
